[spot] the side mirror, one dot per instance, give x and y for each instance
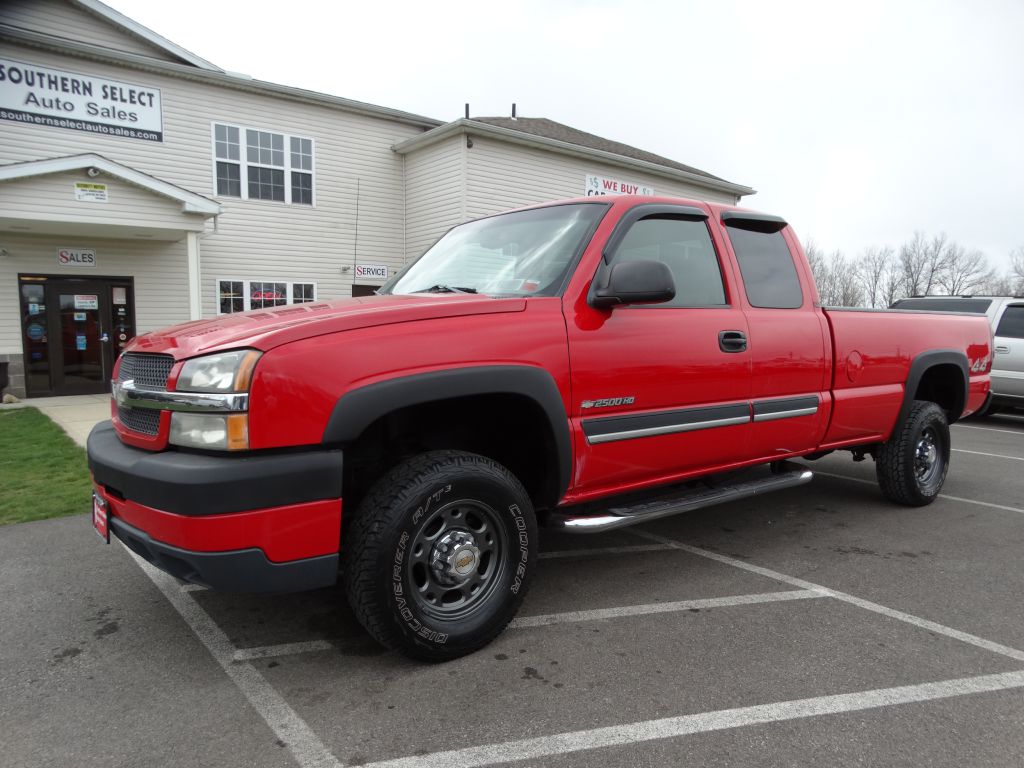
(636, 282)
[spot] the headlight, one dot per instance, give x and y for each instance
(219, 432)
(224, 372)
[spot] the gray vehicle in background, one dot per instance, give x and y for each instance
(1006, 316)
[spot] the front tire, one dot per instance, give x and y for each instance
(912, 466)
(440, 553)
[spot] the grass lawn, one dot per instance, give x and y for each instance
(42, 472)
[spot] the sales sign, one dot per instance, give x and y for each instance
(43, 96)
(599, 185)
(372, 271)
(87, 301)
(76, 257)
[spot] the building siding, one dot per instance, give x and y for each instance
(500, 175)
(253, 239)
(159, 269)
(434, 193)
(52, 198)
(62, 19)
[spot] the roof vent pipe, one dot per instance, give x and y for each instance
(467, 111)
(513, 110)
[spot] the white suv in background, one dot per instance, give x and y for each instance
(1006, 316)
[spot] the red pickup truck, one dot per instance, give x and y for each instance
(579, 363)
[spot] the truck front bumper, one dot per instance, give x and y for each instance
(245, 523)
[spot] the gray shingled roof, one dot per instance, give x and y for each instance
(549, 129)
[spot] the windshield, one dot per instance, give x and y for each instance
(526, 253)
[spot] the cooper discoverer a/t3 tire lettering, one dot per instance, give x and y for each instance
(440, 553)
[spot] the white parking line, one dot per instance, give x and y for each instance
(941, 495)
(571, 617)
(892, 613)
(291, 729)
(989, 429)
(284, 649)
(603, 551)
(669, 727)
(993, 455)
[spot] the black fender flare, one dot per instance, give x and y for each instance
(920, 365)
(357, 409)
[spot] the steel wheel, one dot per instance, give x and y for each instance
(440, 553)
(456, 558)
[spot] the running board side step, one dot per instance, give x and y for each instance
(785, 474)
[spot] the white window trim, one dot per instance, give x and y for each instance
(247, 291)
(243, 164)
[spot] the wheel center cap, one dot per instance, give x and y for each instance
(463, 561)
(455, 558)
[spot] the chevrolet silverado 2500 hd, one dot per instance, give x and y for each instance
(579, 363)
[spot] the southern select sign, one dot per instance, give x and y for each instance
(600, 185)
(43, 96)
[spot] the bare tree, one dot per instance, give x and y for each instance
(963, 271)
(879, 276)
(923, 262)
(848, 291)
(837, 279)
(998, 285)
(1017, 269)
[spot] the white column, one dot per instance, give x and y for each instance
(195, 285)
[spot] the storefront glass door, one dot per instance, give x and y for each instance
(73, 330)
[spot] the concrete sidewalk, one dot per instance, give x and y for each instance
(75, 414)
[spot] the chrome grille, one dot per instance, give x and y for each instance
(144, 420)
(147, 371)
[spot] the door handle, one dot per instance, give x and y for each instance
(1002, 350)
(732, 341)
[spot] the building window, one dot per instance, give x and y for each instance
(242, 295)
(303, 292)
(265, 171)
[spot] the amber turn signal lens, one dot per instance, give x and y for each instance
(243, 378)
(238, 432)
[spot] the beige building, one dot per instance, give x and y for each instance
(142, 186)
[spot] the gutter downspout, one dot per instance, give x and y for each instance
(195, 296)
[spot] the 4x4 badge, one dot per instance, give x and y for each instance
(608, 402)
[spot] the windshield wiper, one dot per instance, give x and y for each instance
(445, 289)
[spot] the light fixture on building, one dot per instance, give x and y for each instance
(93, 172)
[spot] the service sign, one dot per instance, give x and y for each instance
(599, 185)
(57, 98)
(372, 271)
(76, 257)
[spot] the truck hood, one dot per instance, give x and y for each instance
(265, 329)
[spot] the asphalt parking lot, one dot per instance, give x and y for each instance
(816, 626)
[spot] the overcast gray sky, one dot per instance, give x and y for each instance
(859, 122)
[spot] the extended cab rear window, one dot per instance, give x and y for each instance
(974, 306)
(766, 264)
(1012, 323)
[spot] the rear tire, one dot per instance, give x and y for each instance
(439, 555)
(911, 467)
